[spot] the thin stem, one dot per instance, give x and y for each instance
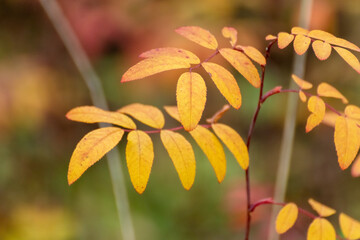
(93, 83)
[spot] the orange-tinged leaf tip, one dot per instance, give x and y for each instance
(349, 227)
(233, 142)
(299, 30)
(302, 96)
(321, 229)
(321, 209)
(182, 156)
(253, 54)
(151, 66)
(355, 169)
(317, 108)
(301, 44)
(213, 150)
(139, 158)
(347, 141)
(322, 49)
(91, 148)
(146, 114)
(242, 64)
(284, 39)
(225, 82)
(326, 90)
(171, 52)
(198, 35)
(191, 98)
(286, 218)
(352, 111)
(270, 37)
(231, 33)
(349, 58)
(173, 112)
(301, 83)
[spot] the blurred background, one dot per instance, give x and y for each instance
(39, 84)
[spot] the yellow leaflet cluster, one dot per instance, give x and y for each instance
(139, 148)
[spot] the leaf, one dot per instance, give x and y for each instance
(191, 98)
(182, 155)
(231, 33)
(233, 142)
(347, 141)
(330, 118)
(321, 229)
(327, 37)
(243, 64)
(355, 169)
(171, 52)
(352, 111)
(213, 150)
(299, 30)
(151, 66)
(301, 44)
(173, 112)
(198, 35)
(317, 106)
(301, 83)
(322, 49)
(349, 58)
(286, 218)
(91, 148)
(284, 39)
(253, 54)
(146, 114)
(270, 37)
(321, 209)
(302, 96)
(91, 114)
(219, 114)
(225, 82)
(326, 90)
(139, 158)
(349, 227)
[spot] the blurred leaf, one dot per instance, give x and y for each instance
(173, 112)
(317, 108)
(198, 35)
(286, 218)
(326, 90)
(301, 44)
(349, 227)
(352, 111)
(302, 96)
(321, 209)
(349, 58)
(301, 83)
(231, 33)
(299, 30)
(355, 169)
(321, 229)
(171, 52)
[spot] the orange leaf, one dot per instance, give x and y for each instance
(91, 114)
(243, 64)
(182, 155)
(329, 38)
(151, 66)
(330, 118)
(270, 37)
(301, 44)
(212, 148)
(225, 82)
(322, 49)
(321, 209)
(234, 142)
(355, 169)
(191, 98)
(326, 90)
(171, 52)
(139, 158)
(349, 227)
(349, 58)
(231, 33)
(91, 148)
(299, 30)
(253, 54)
(286, 218)
(219, 114)
(347, 141)
(173, 112)
(284, 39)
(301, 83)
(321, 229)
(146, 114)
(302, 96)
(352, 111)
(198, 35)
(317, 106)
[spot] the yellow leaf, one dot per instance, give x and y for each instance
(231, 33)
(91, 148)
(139, 158)
(286, 218)
(173, 112)
(191, 98)
(352, 111)
(321, 209)
(330, 118)
(302, 96)
(301, 83)
(349, 227)
(349, 58)
(219, 114)
(301, 44)
(171, 52)
(91, 114)
(299, 30)
(182, 155)
(198, 35)
(151, 66)
(212, 148)
(284, 39)
(146, 114)
(270, 37)
(347, 141)
(326, 90)
(243, 64)
(225, 82)
(253, 54)
(321, 229)
(234, 142)
(317, 106)
(355, 169)
(329, 38)
(322, 49)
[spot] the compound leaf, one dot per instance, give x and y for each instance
(322, 49)
(317, 108)
(326, 90)
(349, 58)
(321, 229)
(231, 33)
(198, 35)
(301, 44)
(171, 52)
(284, 39)
(321, 209)
(349, 227)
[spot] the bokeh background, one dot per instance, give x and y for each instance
(39, 84)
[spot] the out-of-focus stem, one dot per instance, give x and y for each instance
(93, 83)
